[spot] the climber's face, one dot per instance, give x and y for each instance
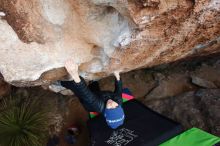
(111, 104)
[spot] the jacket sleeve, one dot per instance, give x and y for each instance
(118, 91)
(89, 100)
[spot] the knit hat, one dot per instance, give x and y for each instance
(114, 117)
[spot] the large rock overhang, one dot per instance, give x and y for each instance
(37, 36)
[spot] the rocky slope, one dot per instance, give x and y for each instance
(37, 36)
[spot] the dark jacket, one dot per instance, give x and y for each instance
(94, 102)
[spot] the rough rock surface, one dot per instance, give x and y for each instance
(200, 109)
(171, 86)
(37, 36)
(203, 83)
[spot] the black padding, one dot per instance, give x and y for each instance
(142, 127)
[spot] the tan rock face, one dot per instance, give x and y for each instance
(37, 36)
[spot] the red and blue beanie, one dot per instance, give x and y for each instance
(114, 117)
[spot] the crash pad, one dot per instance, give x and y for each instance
(142, 127)
(193, 137)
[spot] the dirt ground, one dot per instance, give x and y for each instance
(77, 116)
(187, 92)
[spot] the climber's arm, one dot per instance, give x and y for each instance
(118, 88)
(89, 100)
(118, 83)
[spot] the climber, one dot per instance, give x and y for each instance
(106, 102)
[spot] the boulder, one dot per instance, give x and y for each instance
(102, 36)
(208, 75)
(173, 85)
(192, 109)
(203, 83)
